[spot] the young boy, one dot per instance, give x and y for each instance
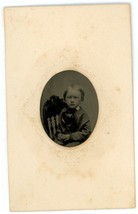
(74, 124)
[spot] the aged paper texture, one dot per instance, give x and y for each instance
(96, 41)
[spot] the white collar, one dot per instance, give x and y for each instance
(78, 108)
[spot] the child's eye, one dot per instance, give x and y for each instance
(74, 97)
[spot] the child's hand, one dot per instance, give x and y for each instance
(63, 137)
(66, 137)
(60, 136)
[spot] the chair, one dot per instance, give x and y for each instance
(51, 111)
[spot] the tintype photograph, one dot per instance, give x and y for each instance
(69, 108)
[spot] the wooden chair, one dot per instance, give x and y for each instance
(51, 111)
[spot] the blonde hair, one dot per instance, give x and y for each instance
(77, 87)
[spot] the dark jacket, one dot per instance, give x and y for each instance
(80, 128)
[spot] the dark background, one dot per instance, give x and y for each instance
(60, 82)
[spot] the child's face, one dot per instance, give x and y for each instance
(73, 98)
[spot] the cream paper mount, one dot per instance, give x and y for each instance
(94, 40)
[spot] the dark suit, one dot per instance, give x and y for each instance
(79, 130)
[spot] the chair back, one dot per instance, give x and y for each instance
(51, 111)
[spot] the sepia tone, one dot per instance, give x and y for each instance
(53, 104)
(96, 41)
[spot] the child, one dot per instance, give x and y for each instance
(74, 124)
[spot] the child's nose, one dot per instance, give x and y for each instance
(72, 99)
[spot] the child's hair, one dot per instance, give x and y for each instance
(77, 87)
